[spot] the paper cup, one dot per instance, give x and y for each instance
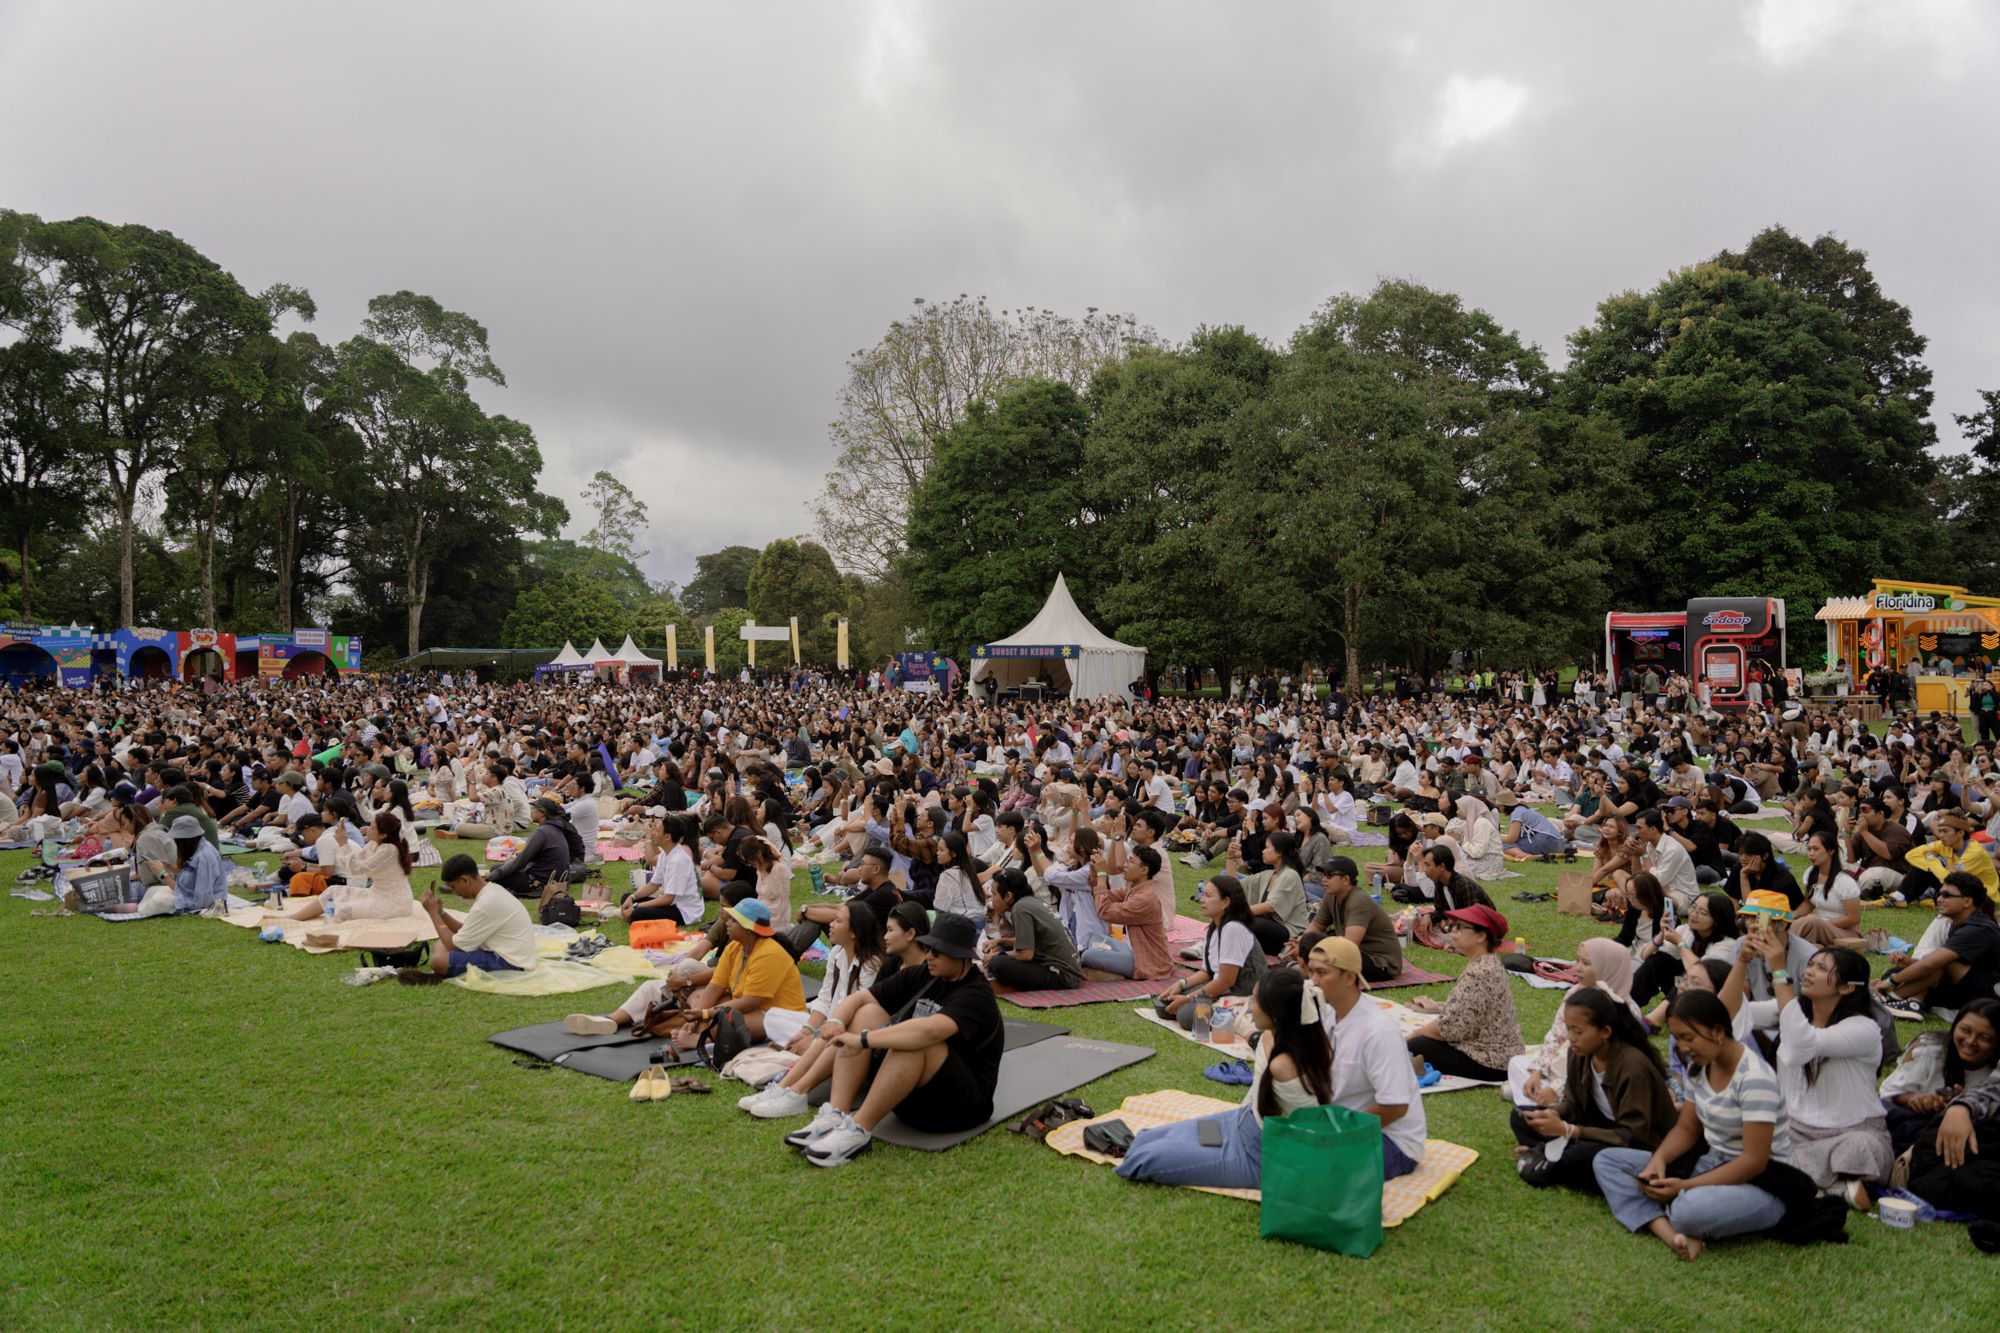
(1898, 1213)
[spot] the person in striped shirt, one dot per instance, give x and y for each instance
(1734, 1104)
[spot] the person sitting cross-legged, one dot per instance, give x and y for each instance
(1965, 967)
(1043, 956)
(1371, 1066)
(754, 975)
(1294, 1069)
(926, 1045)
(495, 936)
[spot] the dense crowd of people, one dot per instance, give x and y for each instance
(961, 843)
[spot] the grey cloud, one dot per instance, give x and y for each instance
(678, 222)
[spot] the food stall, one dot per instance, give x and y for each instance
(1719, 643)
(1951, 636)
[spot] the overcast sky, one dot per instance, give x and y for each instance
(678, 221)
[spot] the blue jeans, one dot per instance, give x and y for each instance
(1707, 1212)
(484, 959)
(1539, 842)
(1173, 1154)
(1109, 955)
(1395, 1162)
(1079, 917)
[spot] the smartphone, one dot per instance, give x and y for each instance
(1208, 1133)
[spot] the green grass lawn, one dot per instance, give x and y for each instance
(204, 1130)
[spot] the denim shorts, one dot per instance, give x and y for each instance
(484, 959)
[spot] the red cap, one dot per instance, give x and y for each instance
(1483, 917)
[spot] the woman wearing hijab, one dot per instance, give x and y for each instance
(1536, 1079)
(1477, 832)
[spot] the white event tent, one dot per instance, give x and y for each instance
(1061, 642)
(568, 660)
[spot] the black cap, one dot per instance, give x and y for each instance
(1344, 865)
(952, 935)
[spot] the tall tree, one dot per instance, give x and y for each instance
(797, 578)
(1769, 462)
(1160, 437)
(913, 386)
(999, 514)
(1968, 498)
(721, 579)
(439, 463)
(42, 434)
(161, 328)
(571, 607)
(620, 518)
(1334, 484)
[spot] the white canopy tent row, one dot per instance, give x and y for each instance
(1061, 643)
(568, 661)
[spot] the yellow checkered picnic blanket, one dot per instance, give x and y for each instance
(1442, 1165)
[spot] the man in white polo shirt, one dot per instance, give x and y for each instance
(1371, 1063)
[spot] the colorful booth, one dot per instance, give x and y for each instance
(1951, 636)
(45, 652)
(1718, 643)
(207, 653)
(302, 653)
(137, 654)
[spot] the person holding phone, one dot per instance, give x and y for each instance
(1687, 1197)
(1294, 1069)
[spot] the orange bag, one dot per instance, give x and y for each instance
(307, 884)
(652, 934)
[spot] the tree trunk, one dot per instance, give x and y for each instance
(205, 536)
(126, 502)
(419, 590)
(288, 544)
(1350, 610)
(27, 589)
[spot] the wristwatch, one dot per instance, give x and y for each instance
(864, 1040)
(1778, 974)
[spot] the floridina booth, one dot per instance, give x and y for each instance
(79, 656)
(1715, 643)
(1061, 648)
(1947, 634)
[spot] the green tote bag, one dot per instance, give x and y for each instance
(1322, 1180)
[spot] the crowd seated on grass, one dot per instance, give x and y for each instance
(1051, 829)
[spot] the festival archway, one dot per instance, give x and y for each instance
(24, 661)
(246, 664)
(151, 662)
(203, 662)
(309, 663)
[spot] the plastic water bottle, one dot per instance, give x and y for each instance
(326, 909)
(1203, 1007)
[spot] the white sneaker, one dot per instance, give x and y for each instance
(745, 1103)
(589, 1025)
(778, 1103)
(825, 1122)
(840, 1145)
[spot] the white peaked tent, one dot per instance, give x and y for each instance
(1062, 643)
(569, 659)
(599, 653)
(630, 655)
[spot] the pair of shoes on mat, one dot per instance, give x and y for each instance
(652, 1085)
(589, 1025)
(1235, 1072)
(773, 1102)
(834, 1138)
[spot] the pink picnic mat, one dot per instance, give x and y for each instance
(1412, 976)
(1187, 930)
